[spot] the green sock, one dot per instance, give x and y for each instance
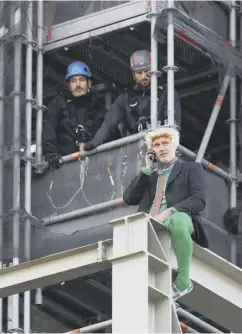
(180, 226)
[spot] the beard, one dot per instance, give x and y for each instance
(78, 93)
(145, 83)
(164, 160)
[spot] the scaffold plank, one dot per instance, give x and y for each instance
(87, 26)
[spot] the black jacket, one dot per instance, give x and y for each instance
(185, 191)
(63, 115)
(130, 106)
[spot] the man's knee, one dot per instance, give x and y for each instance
(180, 217)
(180, 222)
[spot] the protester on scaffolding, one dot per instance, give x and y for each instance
(173, 192)
(73, 117)
(132, 108)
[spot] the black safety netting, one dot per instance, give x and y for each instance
(106, 175)
(199, 41)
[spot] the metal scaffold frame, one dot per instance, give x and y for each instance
(137, 241)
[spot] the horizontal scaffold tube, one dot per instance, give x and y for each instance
(82, 212)
(208, 328)
(92, 328)
(52, 220)
(136, 137)
(105, 147)
(107, 323)
(208, 165)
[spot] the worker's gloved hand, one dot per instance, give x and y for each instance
(231, 220)
(141, 124)
(82, 135)
(54, 160)
(90, 146)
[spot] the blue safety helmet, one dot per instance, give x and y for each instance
(78, 68)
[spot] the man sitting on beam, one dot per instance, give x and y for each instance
(173, 192)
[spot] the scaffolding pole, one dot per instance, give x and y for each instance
(107, 323)
(154, 62)
(2, 93)
(92, 328)
(64, 217)
(214, 116)
(202, 324)
(170, 68)
(16, 150)
(10, 310)
(233, 132)
(135, 138)
(39, 87)
(240, 112)
(28, 155)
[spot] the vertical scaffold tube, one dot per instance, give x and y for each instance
(170, 64)
(39, 89)
(213, 116)
(240, 113)
(39, 97)
(233, 137)
(2, 92)
(154, 61)
(28, 120)
(16, 150)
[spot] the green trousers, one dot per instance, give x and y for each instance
(180, 227)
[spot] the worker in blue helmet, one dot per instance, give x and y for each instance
(132, 108)
(73, 117)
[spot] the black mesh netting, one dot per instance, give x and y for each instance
(123, 164)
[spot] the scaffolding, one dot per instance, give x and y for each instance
(137, 240)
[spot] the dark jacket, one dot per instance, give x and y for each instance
(63, 115)
(130, 106)
(185, 191)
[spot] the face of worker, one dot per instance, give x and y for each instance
(79, 85)
(141, 78)
(164, 149)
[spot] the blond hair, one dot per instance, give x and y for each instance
(168, 132)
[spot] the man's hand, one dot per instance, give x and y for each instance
(162, 216)
(149, 161)
(89, 146)
(141, 124)
(81, 134)
(54, 160)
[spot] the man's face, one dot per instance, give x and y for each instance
(164, 150)
(141, 78)
(79, 85)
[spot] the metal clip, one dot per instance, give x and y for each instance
(15, 330)
(101, 252)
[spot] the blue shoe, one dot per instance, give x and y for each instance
(179, 293)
